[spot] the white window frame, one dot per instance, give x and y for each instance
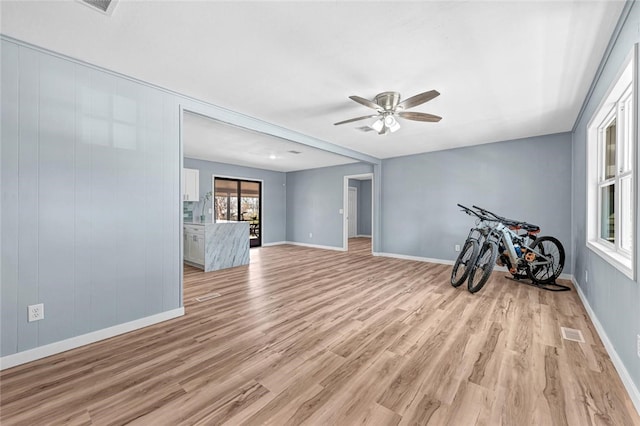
(614, 105)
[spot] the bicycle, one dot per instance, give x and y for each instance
(470, 248)
(541, 259)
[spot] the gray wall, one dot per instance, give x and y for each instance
(314, 198)
(614, 298)
(90, 199)
(527, 179)
(364, 205)
(273, 190)
(364, 208)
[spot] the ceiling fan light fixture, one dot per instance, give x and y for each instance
(388, 106)
(378, 125)
(391, 123)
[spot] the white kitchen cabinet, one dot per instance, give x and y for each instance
(190, 185)
(193, 246)
(186, 247)
(197, 249)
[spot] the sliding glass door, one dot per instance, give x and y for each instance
(239, 200)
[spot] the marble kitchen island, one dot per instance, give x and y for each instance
(214, 246)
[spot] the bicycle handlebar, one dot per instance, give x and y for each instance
(510, 222)
(470, 212)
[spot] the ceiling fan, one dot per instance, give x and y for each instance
(388, 107)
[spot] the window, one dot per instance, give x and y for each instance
(239, 200)
(612, 175)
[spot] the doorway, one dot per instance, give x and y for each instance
(358, 208)
(239, 200)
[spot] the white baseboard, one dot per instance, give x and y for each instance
(449, 262)
(276, 243)
(416, 258)
(19, 358)
(293, 243)
(363, 236)
(632, 389)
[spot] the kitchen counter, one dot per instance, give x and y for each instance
(215, 246)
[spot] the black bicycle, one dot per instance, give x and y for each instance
(471, 247)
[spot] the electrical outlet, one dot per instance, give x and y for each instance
(457, 248)
(586, 276)
(638, 345)
(209, 211)
(310, 234)
(36, 312)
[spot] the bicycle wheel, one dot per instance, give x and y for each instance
(548, 272)
(483, 266)
(464, 262)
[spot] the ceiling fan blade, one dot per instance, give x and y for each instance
(418, 99)
(354, 119)
(419, 116)
(366, 102)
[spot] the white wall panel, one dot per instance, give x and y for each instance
(28, 175)
(10, 207)
(83, 201)
(90, 198)
(56, 195)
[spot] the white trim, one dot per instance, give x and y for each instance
(627, 74)
(613, 258)
(416, 258)
(276, 243)
(632, 390)
(293, 243)
(450, 262)
(362, 236)
(211, 110)
(29, 355)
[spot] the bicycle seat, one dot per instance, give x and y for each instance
(529, 227)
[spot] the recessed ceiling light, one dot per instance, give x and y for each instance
(272, 156)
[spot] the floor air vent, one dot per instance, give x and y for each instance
(207, 297)
(572, 334)
(104, 6)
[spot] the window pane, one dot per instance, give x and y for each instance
(607, 213)
(610, 150)
(626, 213)
(233, 208)
(250, 208)
(220, 207)
(626, 145)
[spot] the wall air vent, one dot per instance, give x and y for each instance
(293, 151)
(102, 6)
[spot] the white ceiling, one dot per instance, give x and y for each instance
(505, 70)
(207, 139)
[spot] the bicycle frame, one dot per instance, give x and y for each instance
(483, 226)
(503, 234)
(499, 240)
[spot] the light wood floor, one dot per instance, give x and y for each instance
(307, 336)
